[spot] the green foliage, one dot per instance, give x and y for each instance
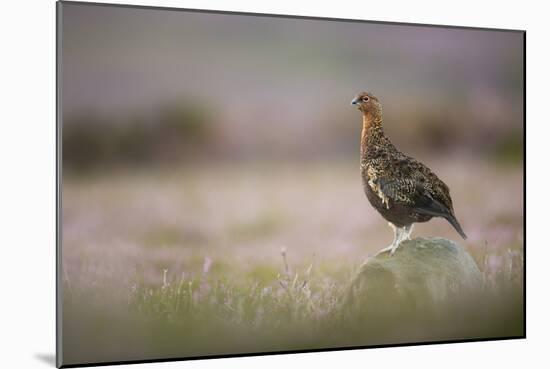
(262, 226)
(509, 148)
(223, 311)
(175, 131)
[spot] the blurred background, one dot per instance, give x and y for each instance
(190, 137)
(152, 86)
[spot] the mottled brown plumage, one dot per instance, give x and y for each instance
(403, 190)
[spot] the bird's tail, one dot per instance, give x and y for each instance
(451, 219)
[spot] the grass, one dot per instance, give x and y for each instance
(168, 265)
(214, 312)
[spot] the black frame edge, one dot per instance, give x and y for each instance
(58, 168)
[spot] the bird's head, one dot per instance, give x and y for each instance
(367, 103)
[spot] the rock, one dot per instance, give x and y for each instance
(429, 290)
(423, 276)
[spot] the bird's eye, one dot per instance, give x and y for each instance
(365, 99)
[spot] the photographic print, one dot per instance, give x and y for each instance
(238, 184)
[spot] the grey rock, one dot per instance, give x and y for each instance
(429, 290)
(423, 275)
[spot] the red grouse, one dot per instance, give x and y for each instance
(403, 190)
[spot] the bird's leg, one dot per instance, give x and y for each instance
(408, 230)
(400, 235)
(393, 246)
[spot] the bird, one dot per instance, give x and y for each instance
(402, 189)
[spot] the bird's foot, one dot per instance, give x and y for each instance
(391, 249)
(400, 234)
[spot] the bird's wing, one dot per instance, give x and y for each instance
(410, 192)
(408, 182)
(401, 190)
(411, 183)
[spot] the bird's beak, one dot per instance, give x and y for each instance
(355, 101)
